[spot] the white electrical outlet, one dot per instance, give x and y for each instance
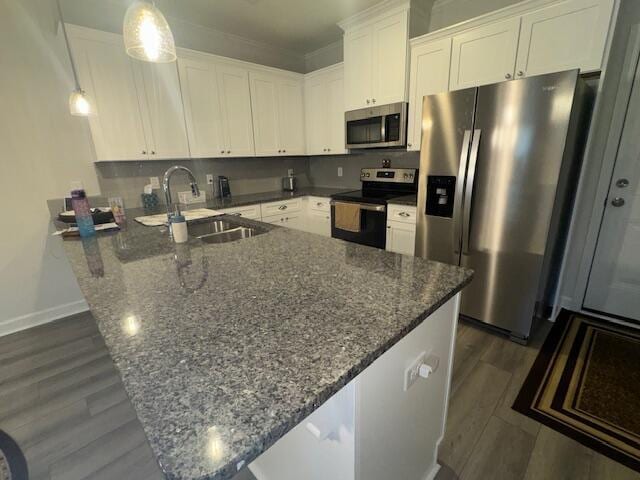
(339, 171)
(290, 172)
(412, 372)
(209, 179)
(155, 182)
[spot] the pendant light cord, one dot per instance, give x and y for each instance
(66, 41)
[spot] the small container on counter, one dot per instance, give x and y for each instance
(179, 229)
(117, 209)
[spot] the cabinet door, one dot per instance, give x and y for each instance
(429, 74)
(166, 131)
(335, 113)
(358, 68)
(390, 59)
(484, 55)
(291, 117)
(568, 35)
(319, 222)
(235, 104)
(264, 108)
(401, 238)
(199, 84)
(108, 75)
(315, 112)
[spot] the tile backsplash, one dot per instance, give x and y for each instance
(246, 175)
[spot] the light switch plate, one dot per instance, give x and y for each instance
(412, 372)
(290, 172)
(339, 171)
(209, 179)
(155, 182)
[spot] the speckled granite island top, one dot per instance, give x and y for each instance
(224, 348)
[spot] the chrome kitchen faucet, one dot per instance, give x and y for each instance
(167, 189)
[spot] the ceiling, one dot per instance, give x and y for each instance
(300, 26)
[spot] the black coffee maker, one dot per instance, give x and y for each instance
(224, 191)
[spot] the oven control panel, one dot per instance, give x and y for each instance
(389, 175)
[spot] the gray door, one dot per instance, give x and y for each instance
(447, 124)
(614, 283)
(516, 155)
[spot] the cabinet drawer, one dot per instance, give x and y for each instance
(284, 206)
(247, 211)
(291, 220)
(402, 213)
(320, 204)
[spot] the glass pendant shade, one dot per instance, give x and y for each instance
(147, 35)
(79, 104)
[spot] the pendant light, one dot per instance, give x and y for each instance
(147, 35)
(79, 103)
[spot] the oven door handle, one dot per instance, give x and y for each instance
(371, 207)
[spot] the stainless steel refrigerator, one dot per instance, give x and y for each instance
(498, 167)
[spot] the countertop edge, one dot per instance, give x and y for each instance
(272, 437)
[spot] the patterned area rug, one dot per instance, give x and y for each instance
(13, 465)
(585, 384)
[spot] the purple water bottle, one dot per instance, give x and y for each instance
(82, 211)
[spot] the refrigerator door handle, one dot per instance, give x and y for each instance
(457, 202)
(468, 195)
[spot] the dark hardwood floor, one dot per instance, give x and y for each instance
(62, 401)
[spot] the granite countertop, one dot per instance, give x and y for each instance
(224, 348)
(405, 200)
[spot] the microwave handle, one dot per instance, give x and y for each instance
(383, 130)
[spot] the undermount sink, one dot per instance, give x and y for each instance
(222, 231)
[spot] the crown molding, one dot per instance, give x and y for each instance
(382, 8)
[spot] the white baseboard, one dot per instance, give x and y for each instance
(29, 320)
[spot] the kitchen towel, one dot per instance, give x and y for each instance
(347, 216)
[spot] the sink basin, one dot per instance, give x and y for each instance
(222, 231)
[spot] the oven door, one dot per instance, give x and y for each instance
(373, 226)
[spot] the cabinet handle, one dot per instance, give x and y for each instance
(617, 202)
(404, 214)
(328, 149)
(228, 151)
(507, 76)
(368, 101)
(373, 100)
(282, 207)
(520, 73)
(389, 227)
(279, 151)
(622, 183)
(144, 152)
(409, 145)
(284, 151)
(324, 149)
(319, 204)
(221, 151)
(153, 152)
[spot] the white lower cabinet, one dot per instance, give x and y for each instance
(319, 216)
(401, 229)
(249, 211)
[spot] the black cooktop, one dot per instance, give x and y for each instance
(377, 197)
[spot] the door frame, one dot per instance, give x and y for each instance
(598, 193)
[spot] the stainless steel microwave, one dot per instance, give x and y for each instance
(377, 127)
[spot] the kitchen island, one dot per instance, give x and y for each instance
(224, 348)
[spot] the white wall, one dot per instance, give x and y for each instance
(449, 12)
(42, 148)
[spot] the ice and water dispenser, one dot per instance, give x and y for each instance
(440, 195)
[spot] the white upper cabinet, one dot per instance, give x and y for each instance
(278, 114)
(485, 54)
(567, 35)
(199, 84)
(390, 47)
(358, 68)
(429, 75)
(138, 106)
(235, 104)
(217, 107)
(291, 116)
(324, 111)
(375, 60)
(108, 75)
(165, 126)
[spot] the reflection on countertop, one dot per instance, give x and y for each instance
(223, 348)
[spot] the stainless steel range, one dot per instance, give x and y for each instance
(369, 205)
